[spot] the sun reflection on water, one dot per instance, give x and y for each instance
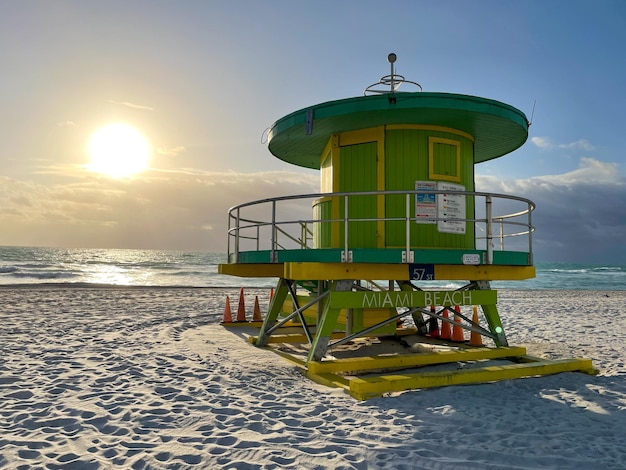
(116, 275)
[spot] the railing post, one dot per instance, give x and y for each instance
(530, 235)
(489, 229)
(407, 253)
(237, 237)
(273, 255)
(304, 236)
(346, 254)
(228, 238)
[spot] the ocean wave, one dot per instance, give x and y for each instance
(195, 273)
(568, 271)
(595, 271)
(8, 269)
(45, 275)
(609, 269)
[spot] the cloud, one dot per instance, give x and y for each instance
(67, 124)
(546, 144)
(541, 142)
(580, 215)
(581, 144)
(133, 105)
(183, 210)
(170, 151)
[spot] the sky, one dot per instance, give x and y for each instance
(204, 80)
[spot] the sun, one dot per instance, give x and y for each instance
(118, 150)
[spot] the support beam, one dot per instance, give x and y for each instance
(328, 322)
(276, 305)
(492, 317)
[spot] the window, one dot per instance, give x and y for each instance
(444, 158)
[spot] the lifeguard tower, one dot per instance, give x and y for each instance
(397, 242)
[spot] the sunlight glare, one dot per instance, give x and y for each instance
(118, 150)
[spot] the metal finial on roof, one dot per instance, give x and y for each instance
(393, 80)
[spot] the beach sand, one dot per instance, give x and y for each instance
(147, 378)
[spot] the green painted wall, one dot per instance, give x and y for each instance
(406, 160)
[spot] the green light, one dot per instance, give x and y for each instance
(498, 329)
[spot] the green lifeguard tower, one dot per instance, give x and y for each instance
(396, 223)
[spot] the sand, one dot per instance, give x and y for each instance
(146, 378)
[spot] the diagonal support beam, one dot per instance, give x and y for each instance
(328, 322)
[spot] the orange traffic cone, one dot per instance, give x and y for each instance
(457, 331)
(241, 309)
(476, 338)
(433, 325)
(228, 316)
(256, 314)
(445, 326)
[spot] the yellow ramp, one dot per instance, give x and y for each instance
(363, 388)
(359, 364)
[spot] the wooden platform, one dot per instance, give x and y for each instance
(373, 367)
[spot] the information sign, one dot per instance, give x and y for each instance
(451, 206)
(425, 204)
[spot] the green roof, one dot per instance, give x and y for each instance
(497, 128)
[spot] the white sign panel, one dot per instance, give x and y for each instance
(471, 258)
(425, 204)
(450, 206)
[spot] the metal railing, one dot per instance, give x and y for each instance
(272, 224)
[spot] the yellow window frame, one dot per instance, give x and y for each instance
(432, 141)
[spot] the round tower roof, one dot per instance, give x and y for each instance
(497, 128)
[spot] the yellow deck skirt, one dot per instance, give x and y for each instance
(337, 271)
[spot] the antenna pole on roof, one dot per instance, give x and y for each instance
(532, 114)
(391, 58)
(393, 81)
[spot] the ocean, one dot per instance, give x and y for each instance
(114, 267)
